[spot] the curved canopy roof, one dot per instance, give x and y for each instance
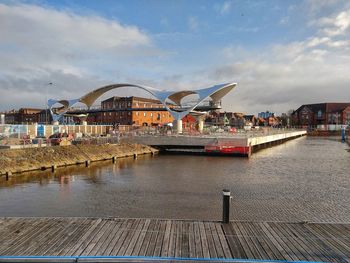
(215, 93)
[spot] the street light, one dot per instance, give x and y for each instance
(47, 103)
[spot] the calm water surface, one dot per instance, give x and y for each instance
(303, 179)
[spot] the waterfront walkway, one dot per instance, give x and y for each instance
(140, 240)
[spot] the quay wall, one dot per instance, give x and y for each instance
(233, 140)
(30, 159)
(275, 137)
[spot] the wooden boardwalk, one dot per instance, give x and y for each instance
(171, 240)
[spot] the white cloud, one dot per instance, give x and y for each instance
(316, 6)
(334, 25)
(284, 76)
(36, 43)
(225, 8)
(193, 23)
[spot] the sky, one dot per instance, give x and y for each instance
(281, 53)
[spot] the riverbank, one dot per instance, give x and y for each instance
(31, 159)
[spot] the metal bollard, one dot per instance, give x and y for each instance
(226, 196)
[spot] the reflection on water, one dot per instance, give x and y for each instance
(303, 179)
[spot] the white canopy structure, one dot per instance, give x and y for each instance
(215, 93)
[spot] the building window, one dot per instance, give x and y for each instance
(129, 104)
(319, 114)
(137, 113)
(347, 119)
(144, 105)
(129, 113)
(144, 114)
(151, 114)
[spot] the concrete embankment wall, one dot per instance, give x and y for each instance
(30, 159)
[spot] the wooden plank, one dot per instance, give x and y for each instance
(233, 242)
(141, 239)
(20, 234)
(283, 241)
(223, 241)
(64, 238)
(147, 239)
(256, 242)
(185, 248)
(126, 236)
(210, 239)
(73, 238)
(10, 228)
(216, 239)
(204, 240)
(166, 240)
(152, 241)
(172, 242)
(115, 236)
(312, 240)
(269, 248)
(98, 248)
(244, 242)
(54, 238)
(96, 238)
(191, 241)
(340, 230)
(160, 238)
(36, 240)
(135, 236)
(293, 243)
(333, 244)
(315, 253)
(252, 243)
(178, 246)
(276, 241)
(198, 240)
(87, 237)
(30, 236)
(333, 233)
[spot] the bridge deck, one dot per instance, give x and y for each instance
(173, 239)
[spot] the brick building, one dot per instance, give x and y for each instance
(22, 116)
(322, 114)
(131, 111)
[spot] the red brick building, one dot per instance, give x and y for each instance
(131, 111)
(22, 116)
(322, 114)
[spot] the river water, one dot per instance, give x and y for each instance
(303, 179)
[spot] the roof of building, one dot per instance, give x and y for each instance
(324, 107)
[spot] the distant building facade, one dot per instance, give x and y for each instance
(44, 116)
(266, 114)
(22, 116)
(322, 114)
(130, 111)
(233, 119)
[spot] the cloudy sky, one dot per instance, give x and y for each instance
(281, 53)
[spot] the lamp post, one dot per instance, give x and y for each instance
(47, 103)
